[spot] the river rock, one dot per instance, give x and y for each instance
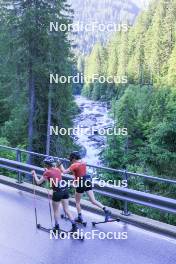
(92, 117)
(98, 115)
(83, 151)
(97, 138)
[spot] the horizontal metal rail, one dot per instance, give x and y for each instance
(118, 193)
(119, 171)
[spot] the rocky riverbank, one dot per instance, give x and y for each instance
(92, 121)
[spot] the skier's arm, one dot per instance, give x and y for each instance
(38, 180)
(61, 167)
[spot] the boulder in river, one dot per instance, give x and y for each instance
(97, 138)
(98, 115)
(82, 151)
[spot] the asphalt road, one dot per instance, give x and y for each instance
(21, 243)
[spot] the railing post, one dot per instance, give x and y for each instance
(18, 158)
(125, 211)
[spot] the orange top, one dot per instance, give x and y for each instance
(78, 169)
(53, 173)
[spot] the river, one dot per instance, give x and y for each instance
(92, 121)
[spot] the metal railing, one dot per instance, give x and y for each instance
(124, 194)
(126, 173)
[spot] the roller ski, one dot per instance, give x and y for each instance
(74, 232)
(108, 218)
(78, 220)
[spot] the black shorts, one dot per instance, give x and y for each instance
(84, 185)
(60, 194)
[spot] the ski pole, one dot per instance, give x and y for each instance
(35, 204)
(49, 200)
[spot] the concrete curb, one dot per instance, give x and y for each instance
(139, 221)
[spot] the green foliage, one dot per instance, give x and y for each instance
(146, 105)
(5, 153)
(28, 55)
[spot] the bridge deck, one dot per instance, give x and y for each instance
(21, 243)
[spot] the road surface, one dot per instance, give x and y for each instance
(21, 243)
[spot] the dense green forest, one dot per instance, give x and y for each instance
(29, 104)
(146, 104)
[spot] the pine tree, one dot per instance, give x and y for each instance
(35, 53)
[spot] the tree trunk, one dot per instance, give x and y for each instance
(31, 89)
(48, 123)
